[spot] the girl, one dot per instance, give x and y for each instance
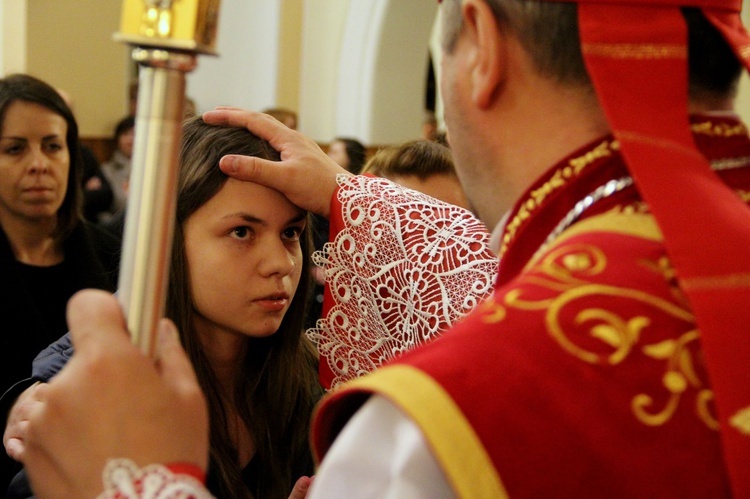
(237, 294)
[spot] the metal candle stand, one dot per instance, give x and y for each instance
(166, 36)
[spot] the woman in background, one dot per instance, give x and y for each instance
(47, 251)
(350, 153)
(423, 165)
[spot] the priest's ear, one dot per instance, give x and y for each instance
(487, 56)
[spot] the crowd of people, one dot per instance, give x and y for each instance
(569, 336)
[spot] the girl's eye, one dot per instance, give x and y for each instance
(292, 233)
(241, 233)
(54, 147)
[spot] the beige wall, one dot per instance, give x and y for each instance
(69, 45)
(364, 64)
(321, 42)
(13, 36)
(290, 54)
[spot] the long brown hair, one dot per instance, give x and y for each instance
(278, 385)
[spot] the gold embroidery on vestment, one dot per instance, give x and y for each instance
(627, 331)
(640, 51)
(704, 402)
(491, 311)
(566, 270)
(718, 129)
(726, 281)
(679, 376)
(558, 179)
(741, 421)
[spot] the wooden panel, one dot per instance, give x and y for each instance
(102, 147)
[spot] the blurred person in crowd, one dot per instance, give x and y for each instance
(423, 165)
(284, 115)
(117, 168)
(350, 153)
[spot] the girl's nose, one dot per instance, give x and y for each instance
(276, 260)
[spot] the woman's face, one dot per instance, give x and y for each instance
(337, 152)
(244, 258)
(34, 162)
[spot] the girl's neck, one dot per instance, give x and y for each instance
(224, 350)
(34, 242)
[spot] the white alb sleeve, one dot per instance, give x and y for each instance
(380, 453)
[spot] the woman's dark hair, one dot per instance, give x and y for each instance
(278, 385)
(356, 151)
(22, 87)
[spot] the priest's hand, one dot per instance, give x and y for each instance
(305, 174)
(111, 401)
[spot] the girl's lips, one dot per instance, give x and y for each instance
(273, 304)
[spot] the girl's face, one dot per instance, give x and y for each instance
(34, 162)
(244, 258)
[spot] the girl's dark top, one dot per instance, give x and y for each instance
(251, 474)
(52, 359)
(33, 301)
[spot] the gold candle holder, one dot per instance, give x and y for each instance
(166, 36)
(188, 25)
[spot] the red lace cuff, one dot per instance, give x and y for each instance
(189, 469)
(123, 479)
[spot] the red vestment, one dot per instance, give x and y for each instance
(583, 375)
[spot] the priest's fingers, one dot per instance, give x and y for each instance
(91, 312)
(305, 174)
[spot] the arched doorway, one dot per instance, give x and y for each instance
(382, 69)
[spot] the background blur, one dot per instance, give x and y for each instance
(358, 68)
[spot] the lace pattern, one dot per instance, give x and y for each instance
(123, 479)
(401, 269)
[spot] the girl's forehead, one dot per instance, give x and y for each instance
(237, 194)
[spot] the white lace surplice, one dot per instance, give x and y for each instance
(401, 267)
